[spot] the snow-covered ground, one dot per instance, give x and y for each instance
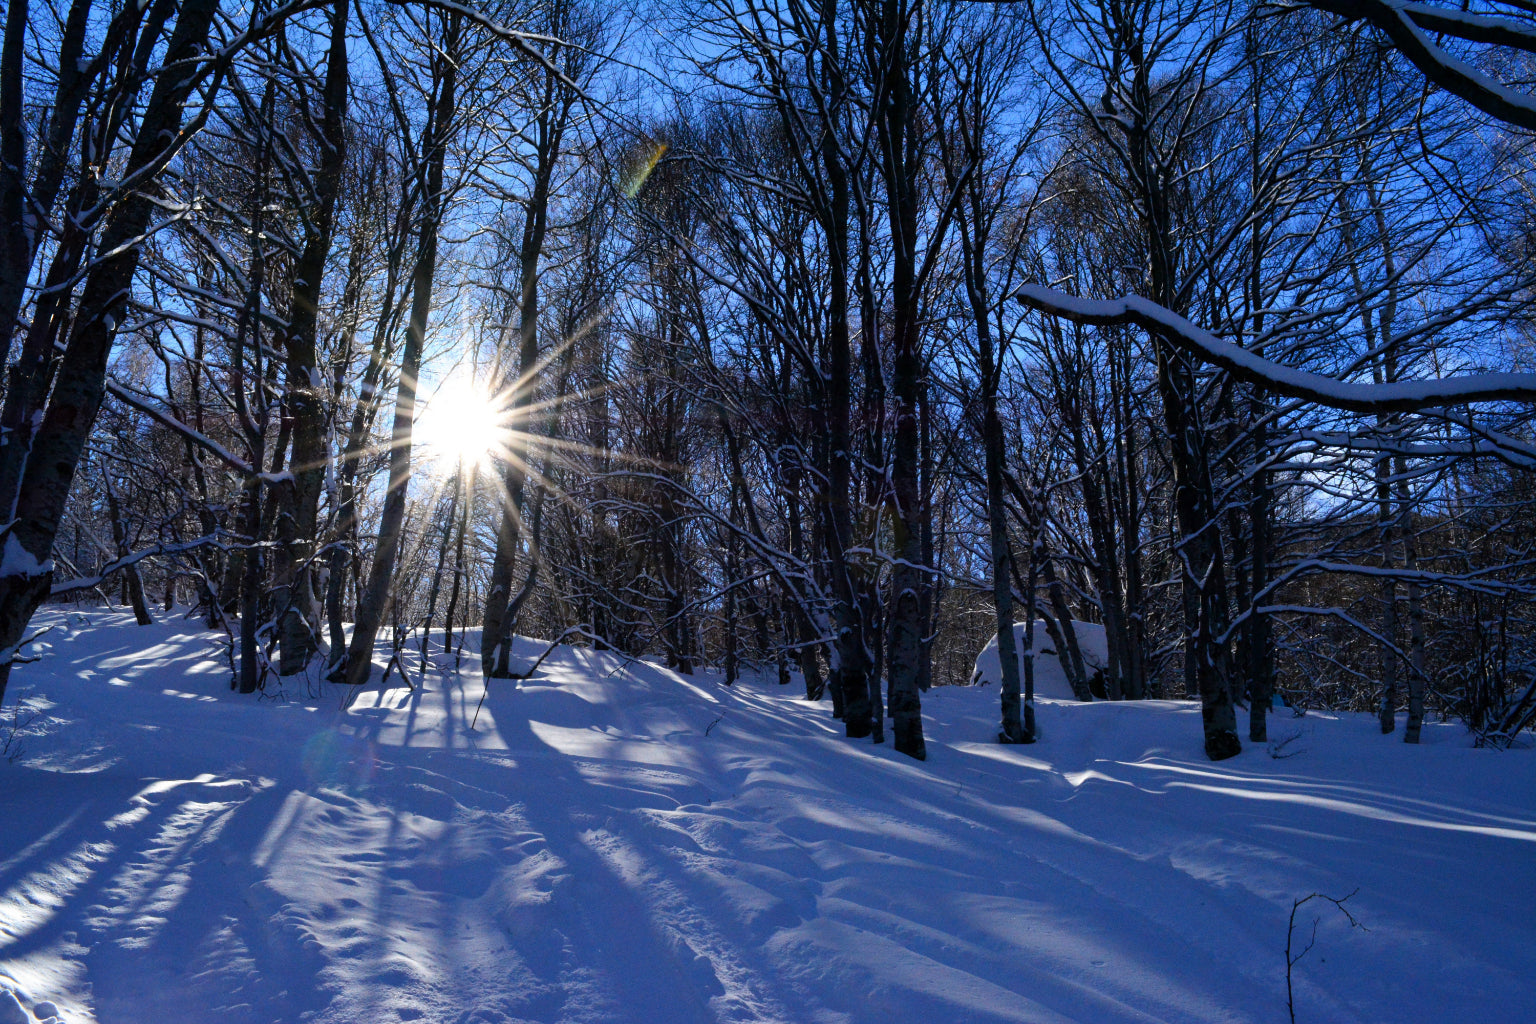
(613, 842)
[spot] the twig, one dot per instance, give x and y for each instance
(11, 732)
(12, 655)
(1292, 961)
(1278, 751)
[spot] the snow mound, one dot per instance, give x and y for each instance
(1050, 677)
(612, 842)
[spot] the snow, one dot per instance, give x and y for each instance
(1050, 678)
(617, 843)
(18, 561)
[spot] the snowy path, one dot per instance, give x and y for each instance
(616, 843)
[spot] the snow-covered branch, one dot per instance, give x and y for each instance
(1401, 396)
(1405, 24)
(165, 419)
(89, 582)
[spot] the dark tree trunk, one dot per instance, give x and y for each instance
(342, 562)
(1198, 546)
(1406, 527)
(133, 583)
(466, 492)
(910, 579)
(1261, 648)
(18, 223)
(852, 657)
(16, 250)
(1012, 730)
(1200, 555)
(372, 599)
(42, 487)
(299, 497)
(1387, 711)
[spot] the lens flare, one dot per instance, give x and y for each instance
(643, 168)
(334, 758)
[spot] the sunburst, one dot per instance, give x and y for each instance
(462, 424)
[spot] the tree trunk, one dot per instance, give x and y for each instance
(1198, 548)
(373, 598)
(1012, 729)
(1415, 608)
(851, 655)
(437, 578)
(18, 222)
(1200, 555)
(1387, 712)
(910, 578)
(343, 560)
(133, 584)
(1036, 552)
(1261, 648)
(300, 496)
(43, 487)
(16, 252)
(466, 490)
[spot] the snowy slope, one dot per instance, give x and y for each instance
(1050, 678)
(615, 843)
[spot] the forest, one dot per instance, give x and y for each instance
(811, 338)
(767, 511)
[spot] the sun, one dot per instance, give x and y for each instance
(460, 423)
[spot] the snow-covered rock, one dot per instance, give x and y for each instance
(1050, 678)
